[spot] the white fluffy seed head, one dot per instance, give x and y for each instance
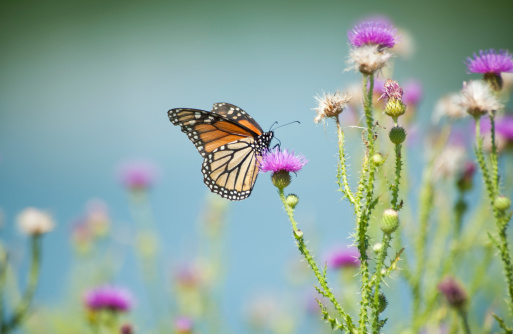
(331, 105)
(32, 221)
(368, 59)
(477, 98)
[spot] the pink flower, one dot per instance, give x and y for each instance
(138, 175)
(108, 298)
(491, 61)
(278, 160)
(374, 32)
(343, 257)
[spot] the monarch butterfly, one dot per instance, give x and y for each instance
(231, 142)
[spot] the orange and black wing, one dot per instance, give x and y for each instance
(209, 131)
(237, 115)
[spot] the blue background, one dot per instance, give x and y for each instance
(86, 85)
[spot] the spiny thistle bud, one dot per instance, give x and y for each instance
(383, 303)
(298, 234)
(397, 135)
(378, 246)
(378, 159)
(292, 200)
(502, 203)
(281, 179)
(395, 106)
(389, 221)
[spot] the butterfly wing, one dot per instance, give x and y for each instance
(206, 130)
(238, 115)
(231, 170)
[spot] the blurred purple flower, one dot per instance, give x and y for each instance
(278, 160)
(127, 329)
(373, 32)
(412, 93)
(503, 126)
(490, 61)
(453, 292)
(108, 298)
(138, 175)
(343, 257)
(183, 325)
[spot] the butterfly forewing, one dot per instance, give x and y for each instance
(206, 130)
(230, 141)
(238, 115)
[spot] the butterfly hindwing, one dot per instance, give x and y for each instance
(206, 130)
(232, 169)
(234, 113)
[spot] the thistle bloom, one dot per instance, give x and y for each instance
(343, 258)
(183, 325)
(138, 175)
(376, 32)
(368, 59)
(453, 292)
(490, 62)
(277, 161)
(331, 105)
(394, 96)
(108, 298)
(32, 221)
(477, 98)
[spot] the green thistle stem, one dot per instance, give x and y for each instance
(395, 186)
(342, 169)
(462, 313)
(22, 308)
(377, 282)
(325, 289)
(501, 218)
(493, 155)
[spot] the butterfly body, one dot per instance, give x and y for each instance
(231, 143)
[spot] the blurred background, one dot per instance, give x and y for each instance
(85, 87)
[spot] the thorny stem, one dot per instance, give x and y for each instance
(493, 155)
(395, 187)
(342, 169)
(501, 218)
(366, 183)
(325, 289)
(377, 281)
(21, 309)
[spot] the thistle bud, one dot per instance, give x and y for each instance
(281, 179)
(389, 221)
(298, 234)
(383, 303)
(397, 135)
(502, 203)
(453, 292)
(378, 159)
(378, 246)
(395, 106)
(292, 200)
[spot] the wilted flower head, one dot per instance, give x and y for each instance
(331, 105)
(343, 258)
(183, 325)
(138, 175)
(32, 221)
(368, 58)
(449, 162)
(108, 298)
(392, 90)
(277, 160)
(449, 106)
(453, 292)
(477, 98)
(393, 93)
(375, 32)
(490, 61)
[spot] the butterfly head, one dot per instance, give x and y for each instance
(264, 141)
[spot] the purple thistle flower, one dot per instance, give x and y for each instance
(375, 32)
(278, 160)
(183, 325)
(412, 93)
(453, 292)
(490, 61)
(343, 258)
(503, 126)
(392, 90)
(138, 175)
(108, 298)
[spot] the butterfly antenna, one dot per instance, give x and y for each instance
(271, 128)
(277, 145)
(281, 126)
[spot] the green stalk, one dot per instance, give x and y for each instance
(342, 169)
(321, 278)
(395, 186)
(501, 218)
(22, 308)
(464, 320)
(377, 282)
